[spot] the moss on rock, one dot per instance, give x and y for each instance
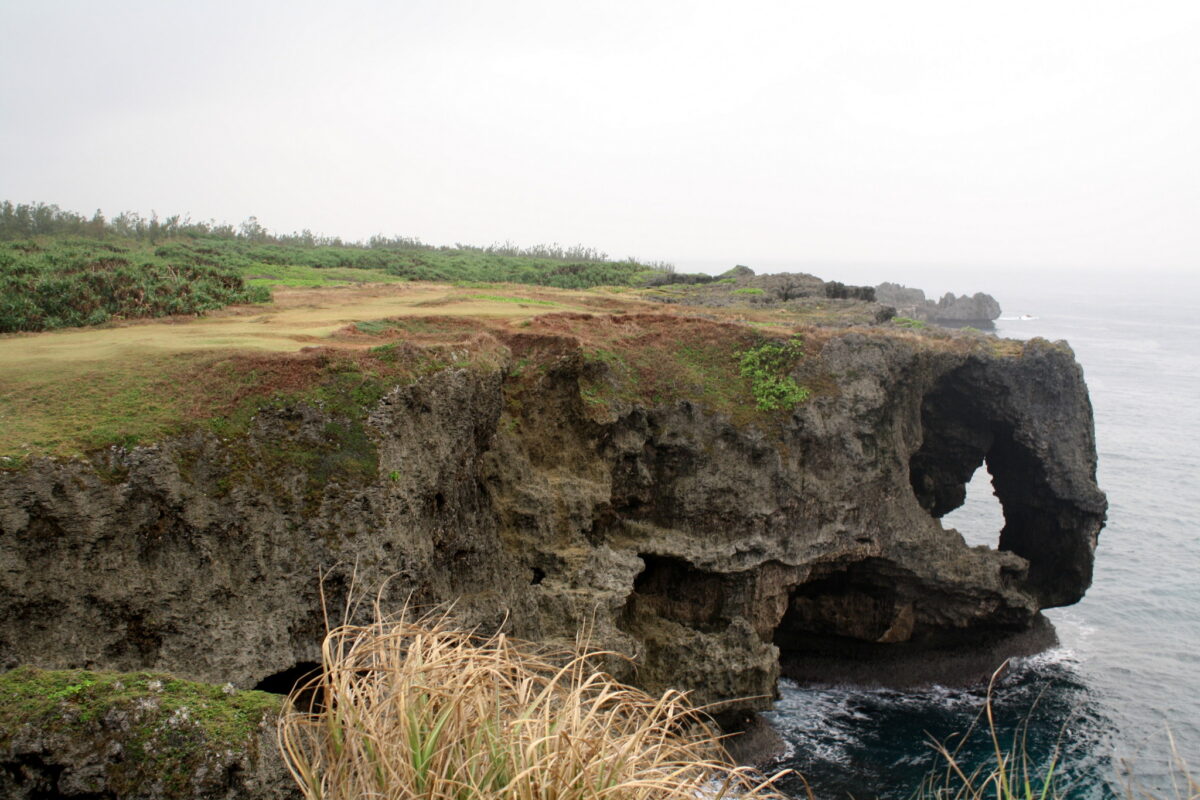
(146, 735)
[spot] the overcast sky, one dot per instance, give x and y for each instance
(1029, 135)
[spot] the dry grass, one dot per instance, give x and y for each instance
(1184, 785)
(418, 709)
(1011, 774)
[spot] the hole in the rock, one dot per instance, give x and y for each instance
(539, 575)
(671, 588)
(846, 607)
(980, 517)
(294, 677)
(439, 501)
(963, 424)
(945, 473)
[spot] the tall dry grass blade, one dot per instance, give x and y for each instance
(416, 709)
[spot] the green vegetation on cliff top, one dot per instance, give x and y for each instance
(61, 269)
(77, 391)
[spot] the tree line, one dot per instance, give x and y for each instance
(30, 220)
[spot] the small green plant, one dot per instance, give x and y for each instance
(767, 366)
(394, 475)
(908, 322)
(749, 290)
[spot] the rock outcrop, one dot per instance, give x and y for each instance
(794, 291)
(142, 736)
(709, 548)
(979, 310)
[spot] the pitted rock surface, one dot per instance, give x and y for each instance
(708, 552)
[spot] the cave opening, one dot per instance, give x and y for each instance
(847, 608)
(871, 621)
(671, 588)
(296, 680)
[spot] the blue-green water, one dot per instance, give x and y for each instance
(1125, 677)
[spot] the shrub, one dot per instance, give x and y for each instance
(81, 282)
(767, 366)
(421, 710)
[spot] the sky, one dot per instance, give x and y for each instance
(1046, 137)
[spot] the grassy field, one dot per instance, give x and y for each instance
(69, 392)
(50, 282)
(66, 392)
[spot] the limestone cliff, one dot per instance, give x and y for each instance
(979, 309)
(539, 491)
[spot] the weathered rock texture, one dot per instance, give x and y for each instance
(142, 736)
(701, 547)
(979, 309)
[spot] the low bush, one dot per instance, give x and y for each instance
(79, 282)
(767, 366)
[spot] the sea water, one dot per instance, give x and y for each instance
(1122, 690)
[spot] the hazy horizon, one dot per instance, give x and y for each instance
(1046, 138)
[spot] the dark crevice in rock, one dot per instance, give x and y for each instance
(846, 603)
(673, 589)
(866, 621)
(298, 676)
(32, 777)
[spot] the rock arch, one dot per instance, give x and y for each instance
(1028, 435)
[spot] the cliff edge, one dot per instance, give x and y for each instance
(618, 473)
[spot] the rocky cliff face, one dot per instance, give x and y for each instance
(711, 549)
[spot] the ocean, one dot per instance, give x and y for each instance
(1122, 690)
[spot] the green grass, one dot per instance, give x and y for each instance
(654, 361)
(138, 401)
(60, 269)
(749, 290)
(300, 276)
(53, 282)
(123, 402)
(499, 298)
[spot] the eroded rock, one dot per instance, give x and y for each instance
(707, 549)
(80, 734)
(979, 310)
